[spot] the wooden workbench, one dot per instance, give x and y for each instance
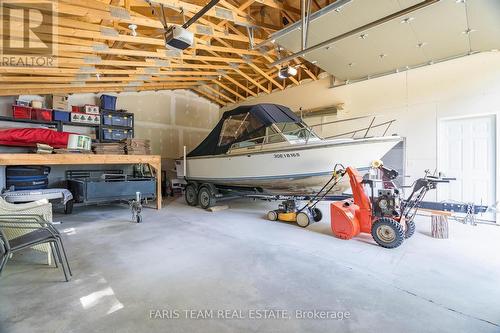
(87, 159)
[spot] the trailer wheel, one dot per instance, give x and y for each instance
(272, 215)
(303, 219)
(317, 214)
(410, 228)
(206, 198)
(191, 195)
(388, 233)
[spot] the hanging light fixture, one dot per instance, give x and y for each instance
(286, 72)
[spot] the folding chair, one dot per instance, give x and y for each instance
(35, 231)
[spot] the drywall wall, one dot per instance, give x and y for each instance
(169, 118)
(418, 99)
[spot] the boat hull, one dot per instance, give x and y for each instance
(291, 170)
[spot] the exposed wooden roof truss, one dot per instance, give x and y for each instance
(98, 51)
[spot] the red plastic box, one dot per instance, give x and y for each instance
(21, 112)
(42, 114)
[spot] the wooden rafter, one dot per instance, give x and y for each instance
(96, 50)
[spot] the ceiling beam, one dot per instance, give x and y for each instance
(217, 92)
(252, 80)
(74, 90)
(225, 87)
(209, 96)
(92, 37)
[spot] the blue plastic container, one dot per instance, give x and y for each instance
(61, 115)
(27, 182)
(113, 134)
(117, 120)
(108, 102)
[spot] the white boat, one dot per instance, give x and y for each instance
(267, 147)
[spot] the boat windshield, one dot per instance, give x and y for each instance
(296, 132)
(276, 133)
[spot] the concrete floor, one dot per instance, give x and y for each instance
(184, 258)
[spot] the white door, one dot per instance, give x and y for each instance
(467, 152)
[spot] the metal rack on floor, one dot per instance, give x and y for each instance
(88, 159)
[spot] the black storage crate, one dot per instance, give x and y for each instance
(94, 186)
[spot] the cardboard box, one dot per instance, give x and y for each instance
(85, 118)
(91, 109)
(60, 102)
(36, 104)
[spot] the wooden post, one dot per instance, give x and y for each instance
(439, 226)
(156, 166)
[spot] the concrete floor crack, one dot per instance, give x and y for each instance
(320, 255)
(448, 308)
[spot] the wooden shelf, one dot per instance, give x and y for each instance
(87, 159)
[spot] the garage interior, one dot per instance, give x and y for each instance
(249, 165)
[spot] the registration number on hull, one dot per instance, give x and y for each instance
(286, 155)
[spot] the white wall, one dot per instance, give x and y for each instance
(418, 99)
(169, 118)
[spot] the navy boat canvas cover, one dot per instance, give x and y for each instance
(262, 116)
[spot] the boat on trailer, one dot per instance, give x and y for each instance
(267, 148)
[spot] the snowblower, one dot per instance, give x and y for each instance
(386, 216)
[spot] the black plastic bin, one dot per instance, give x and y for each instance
(94, 186)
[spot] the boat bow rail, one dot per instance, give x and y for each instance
(365, 130)
(307, 135)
